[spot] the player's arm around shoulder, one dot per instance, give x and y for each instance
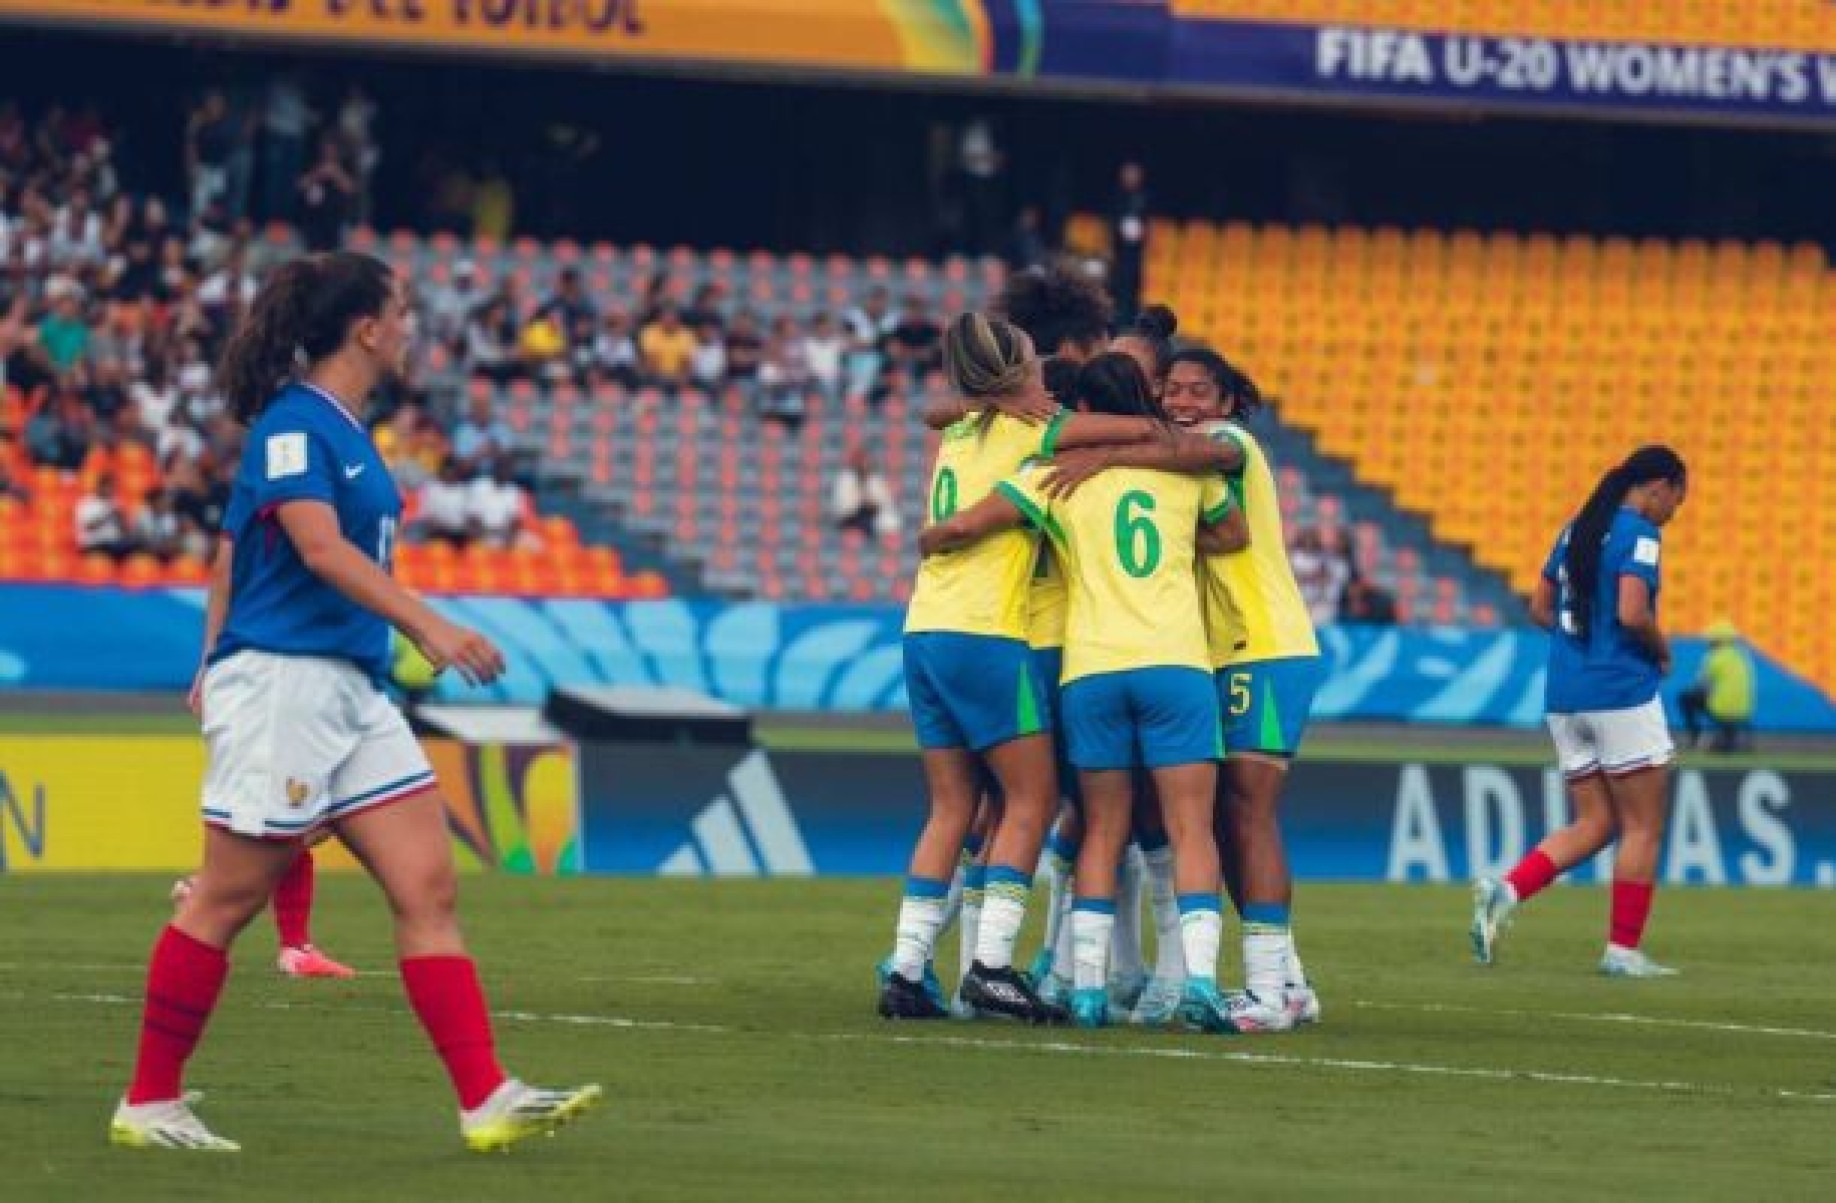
(1167, 451)
(994, 513)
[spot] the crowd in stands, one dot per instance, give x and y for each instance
(675, 338)
(113, 308)
(1331, 581)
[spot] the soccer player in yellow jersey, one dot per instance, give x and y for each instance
(1137, 686)
(974, 695)
(1267, 666)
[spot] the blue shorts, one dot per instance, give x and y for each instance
(1266, 704)
(1049, 664)
(972, 691)
(1142, 718)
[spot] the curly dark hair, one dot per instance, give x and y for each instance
(1060, 309)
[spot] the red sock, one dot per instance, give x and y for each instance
(445, 994)
(1631, 907)
(293, 903)
(1532, 874)
(183, 982)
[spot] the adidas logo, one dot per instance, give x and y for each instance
(747, 832)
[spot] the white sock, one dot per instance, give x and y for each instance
(1297, 973)
(1064, 951)
(1055, 876)
(1201, 928)
(920, 917)
(1003, 912)
(1092, 926)
(1125, 949)
(1265, 960)
(1169, 956)
(969, 924)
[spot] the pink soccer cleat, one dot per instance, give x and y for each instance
(307, 961)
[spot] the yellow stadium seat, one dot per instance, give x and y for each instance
(1489, 379)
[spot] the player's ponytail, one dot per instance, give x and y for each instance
(1242, 398)
(302, 313)
(985, 357)
(1588, 532)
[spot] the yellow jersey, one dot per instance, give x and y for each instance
(982, 589)
(1048, 600)
(1253, 607)
(1128, 541)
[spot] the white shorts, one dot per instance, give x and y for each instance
(1612, 741)
(296, 742)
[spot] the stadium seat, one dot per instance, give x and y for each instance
(1502, 345)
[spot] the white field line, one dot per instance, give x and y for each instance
(1643, 1021)
(1069, 1048)
(625, 979)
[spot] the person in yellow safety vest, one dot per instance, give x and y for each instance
(1723, 694)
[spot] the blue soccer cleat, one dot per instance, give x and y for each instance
(1090, 1008)
(1203, 1009)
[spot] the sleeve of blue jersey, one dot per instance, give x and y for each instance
(290, 462)
(1638, 552)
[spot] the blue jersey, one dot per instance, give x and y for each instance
(306, 447)
(1609, 670)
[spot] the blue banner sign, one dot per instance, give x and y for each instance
(1496, 71)
(743, 812)
(796, 657)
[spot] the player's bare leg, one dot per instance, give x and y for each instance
(406, 848)
(1108, 801)
(1495, 902)
(1251, 821)
(1638, 801)
(1027, 773)
(953, 779)
(185, 979)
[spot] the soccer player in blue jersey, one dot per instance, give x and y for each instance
(1598, 598)
(299, 735)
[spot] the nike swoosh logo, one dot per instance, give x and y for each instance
(352, 472)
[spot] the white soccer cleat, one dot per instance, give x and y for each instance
(1303, 1004)
(168, 1125)
(516, 1111)
(1494, 902)
(1632, 962)
(1159, 1002)
(1250, 1014)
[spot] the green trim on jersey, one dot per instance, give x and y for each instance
(1039, 519)
(1055, 429)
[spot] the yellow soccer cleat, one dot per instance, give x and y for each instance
(168, 1125)
(516, 1111)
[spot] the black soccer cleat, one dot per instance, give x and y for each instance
(1005, 993)
(902, 999)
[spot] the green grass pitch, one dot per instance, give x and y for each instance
(731, 1024)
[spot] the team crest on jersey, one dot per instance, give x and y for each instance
(297, 792)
